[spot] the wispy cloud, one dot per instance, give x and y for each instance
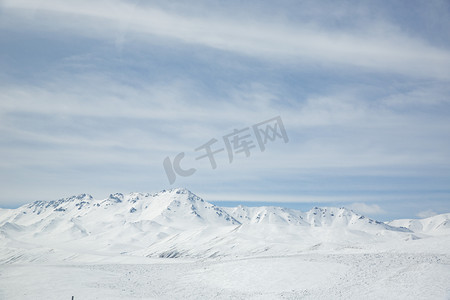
(367, 209)
(426, 213)
(378, 47)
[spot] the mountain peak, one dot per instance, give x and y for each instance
(116, 197)
(80, 197)
(179, 191)
(40, 206)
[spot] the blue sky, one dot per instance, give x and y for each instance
(94, 96)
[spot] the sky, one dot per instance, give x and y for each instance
(96, 95)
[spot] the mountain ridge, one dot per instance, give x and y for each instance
(178, 223)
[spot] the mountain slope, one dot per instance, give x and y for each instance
(435, 225)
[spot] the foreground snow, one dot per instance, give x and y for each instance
(175, 245)
(384, 275)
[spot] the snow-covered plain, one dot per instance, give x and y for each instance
(175, 245)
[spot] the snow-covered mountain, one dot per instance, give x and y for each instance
(436, 225)
(316, 217)
(177, 223)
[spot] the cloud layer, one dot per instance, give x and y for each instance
(94, 96)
